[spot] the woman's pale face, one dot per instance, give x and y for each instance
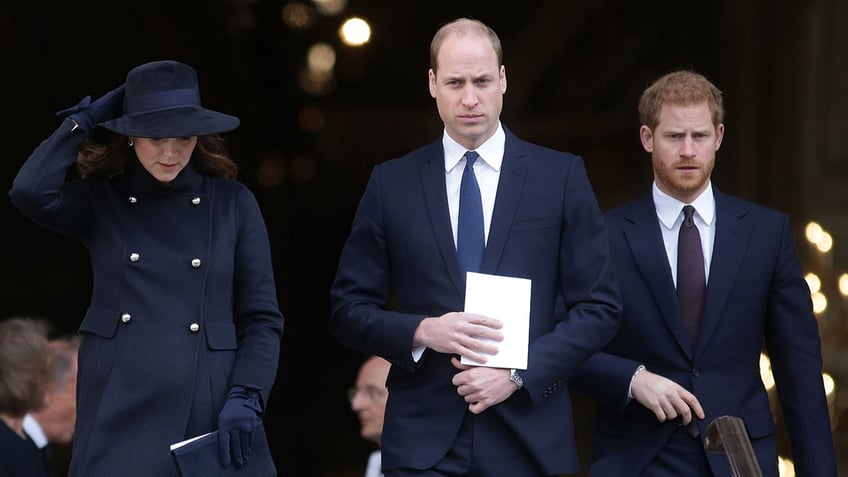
(164, 158)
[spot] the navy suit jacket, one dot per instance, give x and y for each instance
(756, 295)
(399, 266)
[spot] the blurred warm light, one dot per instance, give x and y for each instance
(765, 371)
(297, 16)
(355, 32)
(311, 119)
(321, 58)
(317, 77)
(270, 172)
(316, 83)
(303, 168)
(825, 242)
(813, 282)
(819, 302)
(843, 284)
(330, 7)
(785, 466)
(829, 384)
(813, 232)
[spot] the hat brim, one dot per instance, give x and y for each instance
(177, 122)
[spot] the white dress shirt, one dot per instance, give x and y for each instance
(374, 465)
(487, 171)
(670, 215)
(35, 432)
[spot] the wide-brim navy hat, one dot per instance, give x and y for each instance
(162, 99)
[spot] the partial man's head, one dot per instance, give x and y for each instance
(682, 116)
(58, 416)
(368, 397)
(468, 80)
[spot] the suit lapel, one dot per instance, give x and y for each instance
(436, 201)
(513, 171)
(646, 244)
(731, 242)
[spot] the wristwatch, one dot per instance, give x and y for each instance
(516, 378)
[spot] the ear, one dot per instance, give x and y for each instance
(647, 138)
(503, 79)
(719, 135)
(432, 81)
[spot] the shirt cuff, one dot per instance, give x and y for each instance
(635, 373)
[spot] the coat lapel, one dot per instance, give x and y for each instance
(646, 244)
(510, 183)
(436, 201)
(731, 242)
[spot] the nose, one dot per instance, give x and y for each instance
(469, 97)
(688, 147)
(171, 147)
(356, 402)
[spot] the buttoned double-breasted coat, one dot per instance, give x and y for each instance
(183, 303)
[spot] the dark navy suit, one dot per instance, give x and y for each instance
(756, 295)
(183, 305)
(399, 266)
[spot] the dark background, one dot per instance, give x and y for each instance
(575, 71)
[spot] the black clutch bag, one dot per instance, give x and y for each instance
(200, 458)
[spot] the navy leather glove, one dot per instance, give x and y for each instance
(237, 425)
(87, 113)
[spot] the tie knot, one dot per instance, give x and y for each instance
(688, 212)
(470, 157)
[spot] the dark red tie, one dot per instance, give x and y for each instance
(691, 282)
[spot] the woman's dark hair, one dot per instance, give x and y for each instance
(110, 157)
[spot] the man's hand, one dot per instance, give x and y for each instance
(665, 398)
(463, 334)
(482, 387)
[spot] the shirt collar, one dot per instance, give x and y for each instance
(491, 151)
(668, 208)
(35, 432)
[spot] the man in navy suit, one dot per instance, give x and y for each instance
(659, 386)
(399, 290)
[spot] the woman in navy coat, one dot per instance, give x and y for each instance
(183, 332)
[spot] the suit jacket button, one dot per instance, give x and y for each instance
(134, 257)
(132, 199)
(195, 263)
(195, 200)
(126, 317)
(194, 327)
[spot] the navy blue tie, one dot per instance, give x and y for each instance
(691, 282)
(470, 236)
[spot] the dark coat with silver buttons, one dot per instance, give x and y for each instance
(183, 304)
